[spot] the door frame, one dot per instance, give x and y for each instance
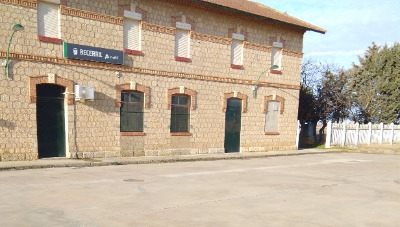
(57, 109)
(237, 145)
(237, 95)
(69, 98)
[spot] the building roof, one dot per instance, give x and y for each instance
(265, 12)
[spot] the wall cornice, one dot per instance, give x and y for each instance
(292, 53)
(90, 15)
(255, 46)
(158, 28)
(25, 3)
(211, 38)
(122, 68)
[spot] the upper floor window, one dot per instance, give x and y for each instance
(180, 113)
(131, 111)
(132, 32)
(182, 41)
(276, 56)
(237, 51)
(48, 21)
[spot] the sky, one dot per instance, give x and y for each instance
(352, 26)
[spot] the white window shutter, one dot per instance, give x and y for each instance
(48, 20)
(132, 34)
(182, 43)
(237, 52)
(276, 57)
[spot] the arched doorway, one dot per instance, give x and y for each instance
(50, 120)
(233, 120)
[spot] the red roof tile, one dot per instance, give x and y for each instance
(258, 9)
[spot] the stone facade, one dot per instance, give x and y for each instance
(93, 127)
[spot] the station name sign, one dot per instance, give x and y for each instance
(89, 53)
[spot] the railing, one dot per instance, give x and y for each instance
(353, 134)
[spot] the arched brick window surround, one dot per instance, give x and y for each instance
(68, 84)
(127, 87)
(279, 99)
(187, 91)
(239, 96)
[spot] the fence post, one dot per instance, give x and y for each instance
(381, 136)
(298, 135)
(344, 134)
(357, 133)
(391, 133)
(328, 135)
(369, 132)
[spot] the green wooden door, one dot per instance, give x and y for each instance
(50, 120)
(233, 117)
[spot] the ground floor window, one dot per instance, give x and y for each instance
(180, 113)
(132, 111)
(272, 117)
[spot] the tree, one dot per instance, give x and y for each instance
(375, 85)
(334, 96)
(310, 70)
(324, 94)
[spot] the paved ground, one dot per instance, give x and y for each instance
(66, 162)
(346, 189)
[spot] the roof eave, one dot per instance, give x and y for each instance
(319, 30)
(322, 31)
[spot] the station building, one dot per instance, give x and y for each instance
(112, 78)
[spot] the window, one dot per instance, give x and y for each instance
(132, 32)
(237, 51)
(276, 56)
(180, 113)
(272, 117)
(48, 22)
(182, 42)
(132, 111)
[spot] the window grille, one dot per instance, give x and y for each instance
(132, 111)
(180, 113)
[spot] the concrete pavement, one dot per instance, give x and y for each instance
(66, 162)
(386, 149)
(329, 189)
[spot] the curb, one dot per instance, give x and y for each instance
(155, 160)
